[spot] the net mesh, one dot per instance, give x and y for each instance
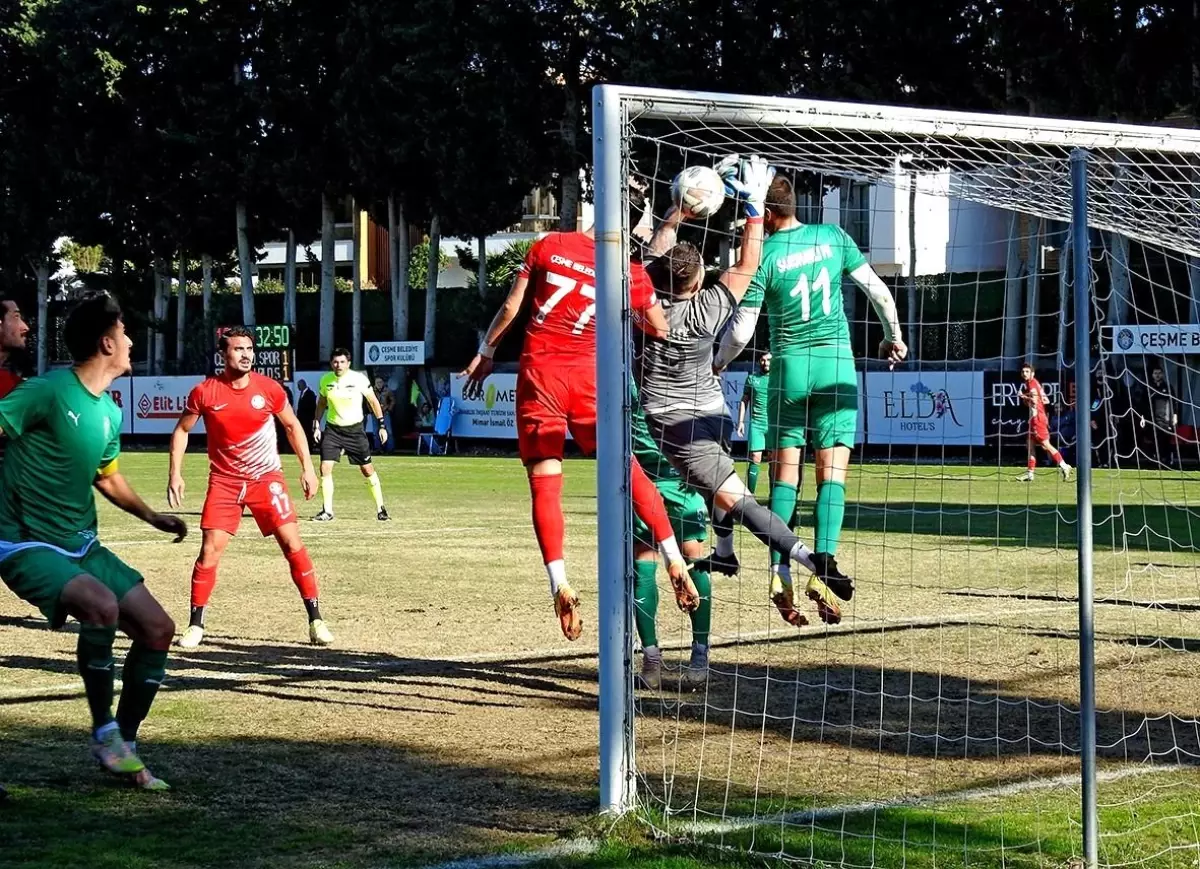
(938, 723)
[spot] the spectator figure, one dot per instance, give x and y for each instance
(306, 408)
(387, 401)
(1159, 424)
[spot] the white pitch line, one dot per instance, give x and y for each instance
(970, 795)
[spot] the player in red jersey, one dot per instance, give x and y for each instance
(239, 409)
(556, 393)
(1039, 425)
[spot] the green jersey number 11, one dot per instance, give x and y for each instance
(821, 285)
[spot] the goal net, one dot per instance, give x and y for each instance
(944, 720)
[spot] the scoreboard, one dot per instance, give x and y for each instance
(273, 350)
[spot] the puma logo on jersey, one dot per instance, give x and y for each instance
(74, 417)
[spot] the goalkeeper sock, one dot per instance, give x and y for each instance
(204, 580)
(327, 494)
(723, 529)
(93, 655)
(783, 505)
(649, 507)
(376, 490)
(144, 671)
(702, 617)
(828, 516)
(304, 575)
(645, 600)
(752, 477)
(771, 530)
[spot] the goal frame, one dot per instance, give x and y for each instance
(615, 107)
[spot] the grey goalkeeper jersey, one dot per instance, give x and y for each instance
(675, 374)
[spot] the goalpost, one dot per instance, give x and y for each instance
(927, 722)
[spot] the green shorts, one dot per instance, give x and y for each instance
(814, 398)
(756, 435)
(39, 574)
(686, 509)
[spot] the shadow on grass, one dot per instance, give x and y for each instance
(1150, 528)
(268, 802)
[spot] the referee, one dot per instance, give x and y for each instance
(340, 402)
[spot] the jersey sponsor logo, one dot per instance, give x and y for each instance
(74, 417)
(571, 264)
(258, 402)
(814, 254)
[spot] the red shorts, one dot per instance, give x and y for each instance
(1039, 429)
(267, 497)
(552, 400)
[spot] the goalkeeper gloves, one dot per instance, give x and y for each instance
(747, 180)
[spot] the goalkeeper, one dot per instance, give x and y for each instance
(689, 520)
(682, 398)
(813, 384)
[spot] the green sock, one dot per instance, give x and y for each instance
(783, 505)
(702, 617)
(142, 675)
(94, 656)
(645, 601)
(828, 516)
(752, 477)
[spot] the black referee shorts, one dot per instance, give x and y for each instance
(351, 439)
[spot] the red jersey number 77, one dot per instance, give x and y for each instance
(564, 286)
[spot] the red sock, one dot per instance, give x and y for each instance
(1057, 456)
(648, 504)
(548, 524)
(303, 573)
(204, 579)
(1032, 463)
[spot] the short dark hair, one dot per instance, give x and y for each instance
(87, 323)
(1028, 365)
(340, 351)
(676, 268)
(234, 332)
(781, 197)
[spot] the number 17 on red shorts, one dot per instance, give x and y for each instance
(267, 498)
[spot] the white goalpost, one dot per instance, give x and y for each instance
(1013, 680)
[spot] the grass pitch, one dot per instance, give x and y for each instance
(937, 726)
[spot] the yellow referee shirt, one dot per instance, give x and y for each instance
(344, 397)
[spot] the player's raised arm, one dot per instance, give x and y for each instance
(892, 348)
(481, 366)
(299, 441)
(750, 186)
(179, 440)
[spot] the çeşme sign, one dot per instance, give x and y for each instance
(1166, 339)
(395, 353)
(936, 408)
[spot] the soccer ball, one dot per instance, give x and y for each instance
(699, 190)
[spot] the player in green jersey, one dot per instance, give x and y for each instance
(689, 519)
(813, 384)
(754, 398)
(64, 439)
